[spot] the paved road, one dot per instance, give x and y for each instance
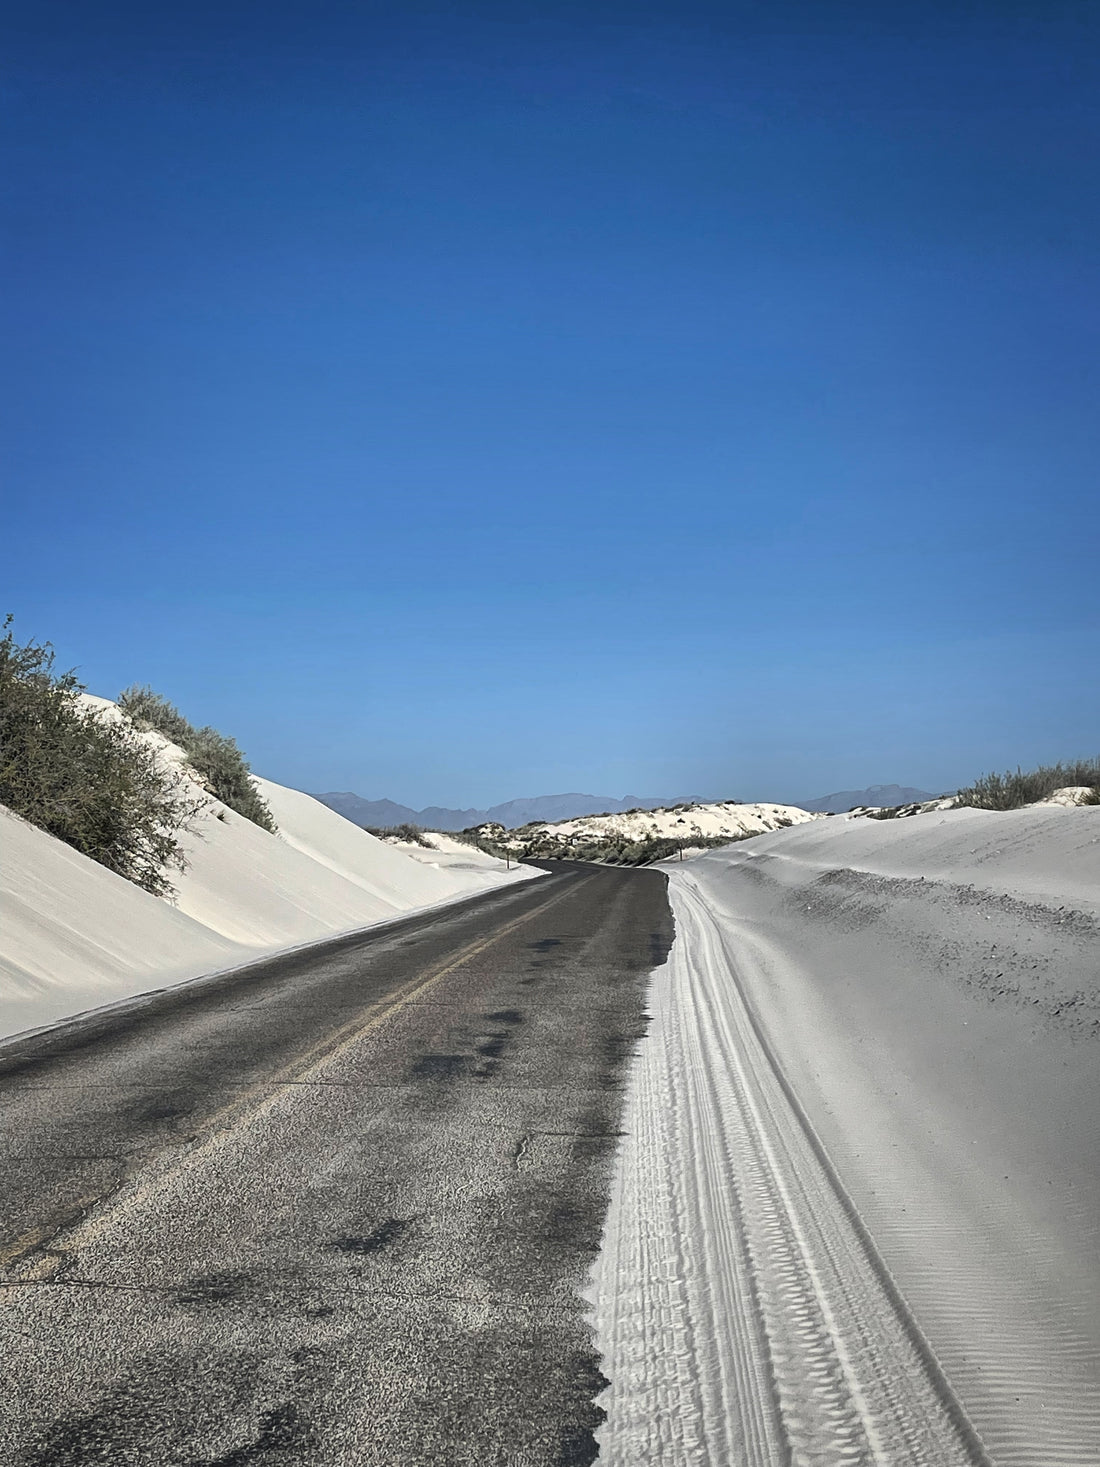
(333, 1209)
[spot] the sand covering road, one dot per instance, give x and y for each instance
(855, 1217)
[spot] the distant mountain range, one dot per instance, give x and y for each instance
(883, 795)
(381, 813)
(375, 813)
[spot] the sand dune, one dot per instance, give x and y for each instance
(867, 1104)
(74, 936)
(448, 853)
(723, 818)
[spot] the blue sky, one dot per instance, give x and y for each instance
(463, 402)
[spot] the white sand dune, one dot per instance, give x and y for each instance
(320, 874)
(74, 936)
(857, 1211)
(447, 853)
(681, 822)
(1070, 795)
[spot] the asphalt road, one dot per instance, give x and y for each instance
(335, 1208)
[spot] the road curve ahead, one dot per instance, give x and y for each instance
(335, 1208)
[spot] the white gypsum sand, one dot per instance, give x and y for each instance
(74, 936)
(447, 853)
(691, 824)
(855, 1211)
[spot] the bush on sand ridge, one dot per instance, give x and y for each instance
(92, 782)
(1016, 788)
(220, 765)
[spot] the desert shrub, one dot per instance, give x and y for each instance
(89, 780)
(225, 772)
(616, 849)
(217, 761)
(412, 835)
(652, 848)
(1013, 789)
(493, 839)
(619, 849)
(896, 812)
(143, 706)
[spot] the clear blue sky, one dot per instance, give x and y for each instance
(461, 402)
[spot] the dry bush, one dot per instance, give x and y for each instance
(1013, 789)
(220, 765)
(88, 780)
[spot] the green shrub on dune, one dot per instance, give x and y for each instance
(411, 835)
(1016, 788)
(215, 758)
(89, 780)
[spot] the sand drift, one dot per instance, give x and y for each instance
(854, 1218)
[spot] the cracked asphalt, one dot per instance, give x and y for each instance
(332, 1209)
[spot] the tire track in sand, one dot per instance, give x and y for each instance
(744, 1315)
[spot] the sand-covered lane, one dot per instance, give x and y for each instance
(902, 1069)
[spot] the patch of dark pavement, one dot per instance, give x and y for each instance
(505, 1016)
(381, 1237)
(577, 1445)
(217, 1288)
(185, 1410)
(658, 949)
(441, 1067)
(281, 1430)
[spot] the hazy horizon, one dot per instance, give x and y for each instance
(706, 798)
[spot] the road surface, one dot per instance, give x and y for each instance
(334, 1208)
